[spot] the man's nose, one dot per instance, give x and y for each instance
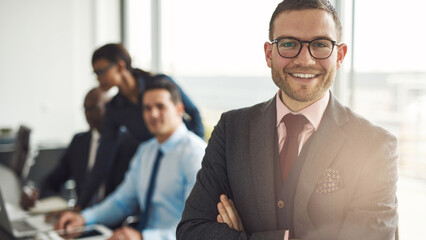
(304, 58)
(154, 112)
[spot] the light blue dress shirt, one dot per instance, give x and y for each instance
(183, 153)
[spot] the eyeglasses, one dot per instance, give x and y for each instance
(100, 72)
(289, 47)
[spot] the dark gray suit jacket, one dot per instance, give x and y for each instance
(357, 159)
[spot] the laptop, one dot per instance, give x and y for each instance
(25, 227)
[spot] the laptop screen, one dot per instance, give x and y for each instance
(4, 219)
(21, 227)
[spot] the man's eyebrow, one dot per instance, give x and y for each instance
(313, 38)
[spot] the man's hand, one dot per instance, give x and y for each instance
(29, 196)
(69, 220)
(52, 217)
(126, 233)
(228, 214)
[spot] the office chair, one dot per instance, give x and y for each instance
(43, 163)
(21, 152)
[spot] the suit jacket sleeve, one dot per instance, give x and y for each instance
(199, 216)
(373, 212)
(53, 182)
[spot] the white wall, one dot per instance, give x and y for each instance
(45, 70)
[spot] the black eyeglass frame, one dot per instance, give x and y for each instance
(334, 43)
(101, 72)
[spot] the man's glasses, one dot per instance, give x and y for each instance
(100, 72)
(289, 47)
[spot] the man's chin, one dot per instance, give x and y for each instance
(302, 95)
(154, 130)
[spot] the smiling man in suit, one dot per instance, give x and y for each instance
(301, 161)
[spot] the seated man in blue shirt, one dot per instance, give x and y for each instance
(181, 151)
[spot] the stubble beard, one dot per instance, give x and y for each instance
(302, 94)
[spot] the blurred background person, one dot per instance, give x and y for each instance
(112, 65)
(77, 161)
(161, 175)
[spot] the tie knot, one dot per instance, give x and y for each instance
(159, 153)
(294, 124)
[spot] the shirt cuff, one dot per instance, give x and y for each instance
(89, 217)
(288, 235)
(158, 234)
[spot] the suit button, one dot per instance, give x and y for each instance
(280, 204)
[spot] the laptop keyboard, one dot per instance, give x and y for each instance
(22, 226)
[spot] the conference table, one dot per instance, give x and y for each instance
(10, 186)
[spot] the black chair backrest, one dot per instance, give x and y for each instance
(44, 163)
(22, 149)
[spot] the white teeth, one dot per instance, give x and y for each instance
(303, 75)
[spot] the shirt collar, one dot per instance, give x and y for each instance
(174, 139)
(313, 112)
(95, 133)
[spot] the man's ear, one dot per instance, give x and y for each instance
(268, 53)
(342, 49)
(180, 108)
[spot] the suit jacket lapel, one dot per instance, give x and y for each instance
(263, 153)
(325, 144)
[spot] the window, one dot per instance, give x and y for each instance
(389, 88)
(208, 45)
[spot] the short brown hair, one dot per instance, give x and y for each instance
(166, 84)
(288, 5)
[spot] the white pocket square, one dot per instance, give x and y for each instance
(330, 181)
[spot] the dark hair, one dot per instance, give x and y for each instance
(95, 92)
(113, 52)
(164, 83)
(288, 5)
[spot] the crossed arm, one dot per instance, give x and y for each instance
(199, 219)
(228, 214)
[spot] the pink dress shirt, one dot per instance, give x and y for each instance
(313, 113)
